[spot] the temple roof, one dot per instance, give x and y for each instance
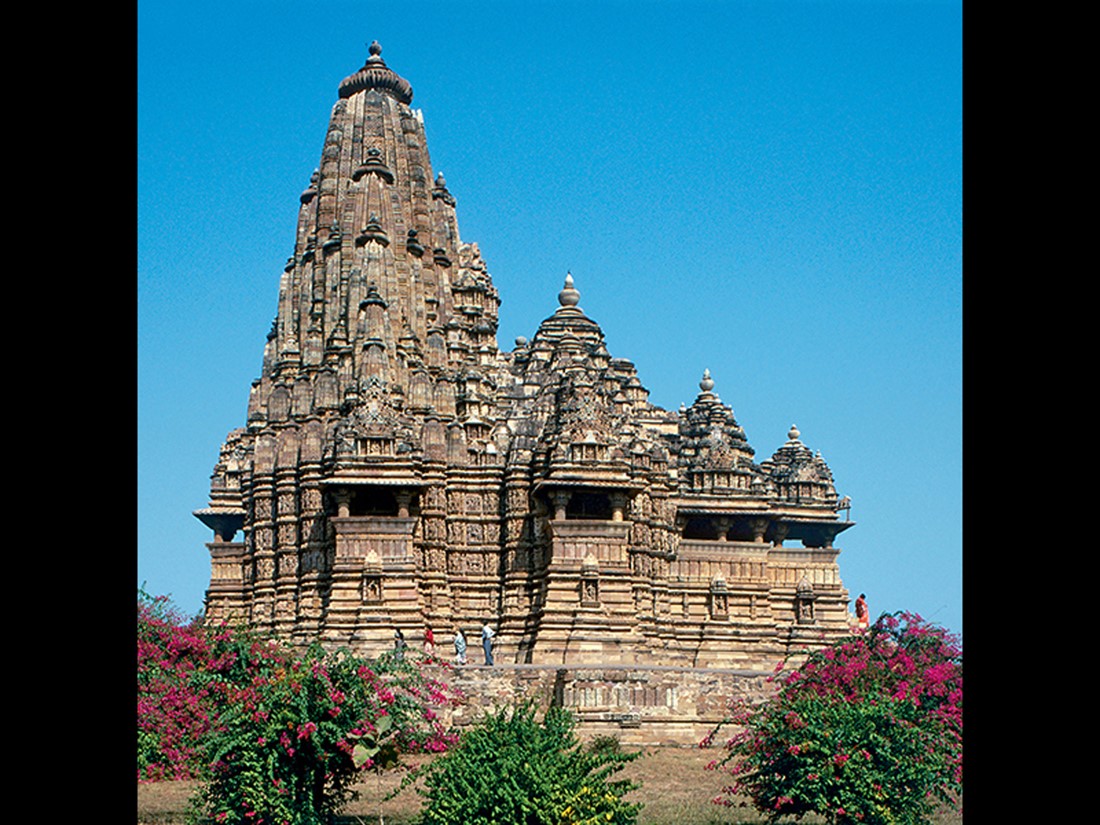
(375, 74)
(569, 326)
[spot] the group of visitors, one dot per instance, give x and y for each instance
(863, 616)
(487, 634)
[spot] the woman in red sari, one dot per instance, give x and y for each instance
(863, 615)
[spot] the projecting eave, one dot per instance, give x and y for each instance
(365, 479)
(224, 521)
(592, 481)
(813, 532)
(721, 507)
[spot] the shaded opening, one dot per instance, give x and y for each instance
(700, 528)
(588, 506)
(372, 501)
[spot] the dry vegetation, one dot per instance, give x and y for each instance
(676, 789)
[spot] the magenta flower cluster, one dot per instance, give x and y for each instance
(176, 708)
(869, 730)
(271, 730)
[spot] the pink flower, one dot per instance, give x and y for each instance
(794, 721)
(305, 730)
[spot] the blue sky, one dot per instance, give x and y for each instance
(768, 190)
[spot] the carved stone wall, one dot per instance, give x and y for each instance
(641, 705)
(399, 469)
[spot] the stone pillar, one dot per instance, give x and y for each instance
(618, 505)
(779, 533)
(560, 499)
(343, 502)
(723, 523)
(759, 528)
(404, 498)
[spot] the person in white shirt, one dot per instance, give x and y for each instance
(487, 635)
(460, 647)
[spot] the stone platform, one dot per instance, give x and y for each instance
(639, 705)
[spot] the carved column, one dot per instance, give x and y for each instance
(618, 505)
(723, 523)
(560, 499)
(759, 528)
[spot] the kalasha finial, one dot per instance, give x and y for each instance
(793, 433)
(375, 48)
(569, 297)
(707, 384)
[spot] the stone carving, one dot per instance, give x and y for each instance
(475, 478)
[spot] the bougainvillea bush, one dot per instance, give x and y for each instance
(868, 730)
(292, 739)
(277, 735)
(175, 710)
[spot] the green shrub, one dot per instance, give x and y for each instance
(511, 768)
(605, 743)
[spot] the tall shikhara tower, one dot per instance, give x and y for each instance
(398, 470)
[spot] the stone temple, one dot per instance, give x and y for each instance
(398, 469)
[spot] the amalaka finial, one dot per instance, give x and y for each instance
(707, 383)
(375, 74)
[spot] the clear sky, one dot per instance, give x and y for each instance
(768, 190)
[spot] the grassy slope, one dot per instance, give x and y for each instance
(676, 790)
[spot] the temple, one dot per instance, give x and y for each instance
(398, 469)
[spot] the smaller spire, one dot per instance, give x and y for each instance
(440, 191)
(373, 298)
(310, 191)
(373, 231)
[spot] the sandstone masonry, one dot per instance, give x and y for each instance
(398, 469)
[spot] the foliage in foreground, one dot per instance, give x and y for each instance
(510, 768)
(295, 735)
(175, 708)
(869, 730)
(277, 735)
